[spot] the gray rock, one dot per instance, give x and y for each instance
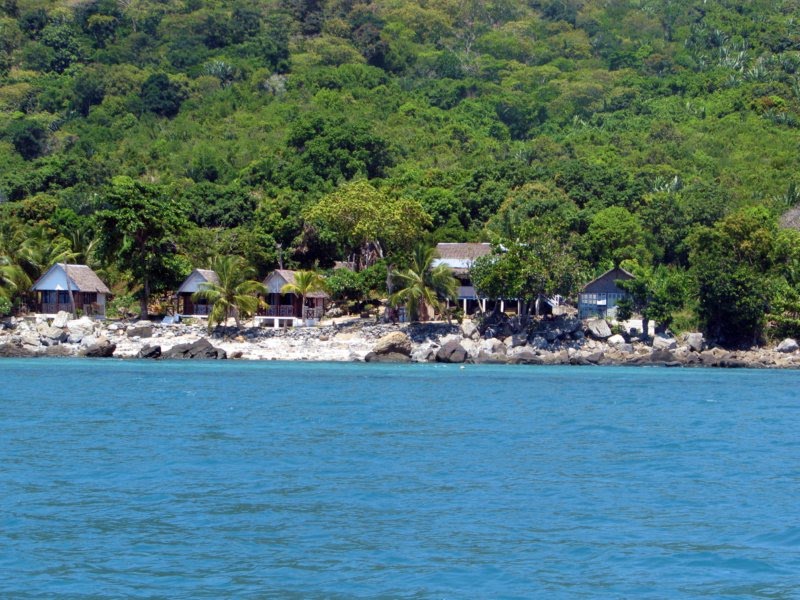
(140, 331)
(488, 358)
(598, 329)
(387, 357)
(662, 356)
(624, 348)
(526, 357)
(586, 358)
(616, 340)
(787, 346)
(664, 342)
(451, 352)
(493, 347)
(539, 343)
(59, 351)
(29, 339)
(84, 325)
(102, 349)
(13, 351)
(517, 340)
(396, 342)
(149, 351)
(61, 319)
(695, 341)
(201, 349)
(423, 354)
(52, 335)
(469, 330)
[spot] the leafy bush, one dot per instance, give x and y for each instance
(5, 306)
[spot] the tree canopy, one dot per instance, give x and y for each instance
(306, 132)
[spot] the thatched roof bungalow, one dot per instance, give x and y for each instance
(52, 291)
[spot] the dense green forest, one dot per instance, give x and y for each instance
(148, 136)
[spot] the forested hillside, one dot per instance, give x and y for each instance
(579, 133)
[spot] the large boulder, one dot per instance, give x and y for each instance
(451, 352)
(616, 340)
(149, 351)
(539, 343)
(201, 349)
(787, 346)
(141, 329)
(470, 330)
(387, 357)
(664, 357)
(695, 341)
(490, 358)
(59, 351)
(52, 335)
(424, 353)
(396, 342)
(61, 319)
(664, 342)
(598, 329)
(102, 348)
(12, 351)
(525, 357)
(84, 325)
(492, 346)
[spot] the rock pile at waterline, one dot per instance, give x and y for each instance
(499, 340)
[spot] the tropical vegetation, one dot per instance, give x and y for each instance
(305, 283)
(423, 286)
(576, 134)
(235, 295)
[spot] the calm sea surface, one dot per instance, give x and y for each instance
(252, 480)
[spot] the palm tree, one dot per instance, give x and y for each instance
(422, 284)
(235, 295)
(305, 282)
(13, 278)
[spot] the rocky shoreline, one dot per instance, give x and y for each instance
(557, 341)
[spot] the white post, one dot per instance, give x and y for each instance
(502, 306)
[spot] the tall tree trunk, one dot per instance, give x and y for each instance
(69, 292)
(387, 314)
(145, 299)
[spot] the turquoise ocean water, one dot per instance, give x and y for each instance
(275, 480)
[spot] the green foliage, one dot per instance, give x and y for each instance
(357, 286)
(160, 96)
(488, 116)
(369, 221)
(122, 306)
(28, 137)
(138, 231)
(614, 235)
(535, 263)
(5, 306)
(236, 294)
(730, 263)
(655, 293)
(422, 285)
